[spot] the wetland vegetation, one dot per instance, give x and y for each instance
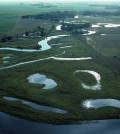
(92, 46)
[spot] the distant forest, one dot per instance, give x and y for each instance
(61, 15)
(52, 16)
(103, 13)
(106, 6)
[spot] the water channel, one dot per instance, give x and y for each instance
(13, 125)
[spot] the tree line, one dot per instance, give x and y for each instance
(56, 16)
(6, 38)
(73, 26)
(101, 13)
(39, 31)
(52, 16)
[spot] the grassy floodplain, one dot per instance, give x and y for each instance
(69, 94)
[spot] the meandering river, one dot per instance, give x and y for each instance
(43, 43)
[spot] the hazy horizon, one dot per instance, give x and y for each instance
(61, 1)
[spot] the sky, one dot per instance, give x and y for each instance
(59, 0)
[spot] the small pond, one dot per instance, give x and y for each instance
(98, 103)
(97, 77)
(42, 79)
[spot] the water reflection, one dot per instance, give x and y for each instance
(43, 43)
(36, 106)
(98, 103)
(42, 79)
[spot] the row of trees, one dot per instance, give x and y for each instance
(52, 16)
(61, 15)
(6, 38)
(39, 31)
(74, 26)
(77, 32)
(103, 13)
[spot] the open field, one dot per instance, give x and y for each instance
(69, 94)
